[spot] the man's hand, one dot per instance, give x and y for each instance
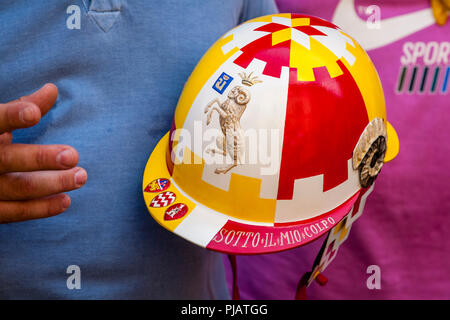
(33, 177)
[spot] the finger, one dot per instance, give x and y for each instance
(44, 98)
(6, 138)
(33, 185)
(15, 211)
(28, 110)
(26, 157)
(16, 115)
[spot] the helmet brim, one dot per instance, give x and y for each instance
(179, 213)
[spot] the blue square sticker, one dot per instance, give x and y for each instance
(222, 82)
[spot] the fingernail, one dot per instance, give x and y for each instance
(65, 158)
(80, 177)
(66, 202)
(27, 115)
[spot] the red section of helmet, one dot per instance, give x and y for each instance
(275, 56)
(324, 120)
(310, 31)
(272, 27)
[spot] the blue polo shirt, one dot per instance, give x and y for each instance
(120, 67)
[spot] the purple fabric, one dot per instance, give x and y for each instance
(404, 228)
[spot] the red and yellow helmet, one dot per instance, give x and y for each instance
(278, 130)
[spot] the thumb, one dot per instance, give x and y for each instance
(44, 98)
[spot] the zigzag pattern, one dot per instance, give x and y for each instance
(163, 199)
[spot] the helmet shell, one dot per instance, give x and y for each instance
(265, 129)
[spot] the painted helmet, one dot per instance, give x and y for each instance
(279, 129)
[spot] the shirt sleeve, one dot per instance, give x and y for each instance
(256, 8)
